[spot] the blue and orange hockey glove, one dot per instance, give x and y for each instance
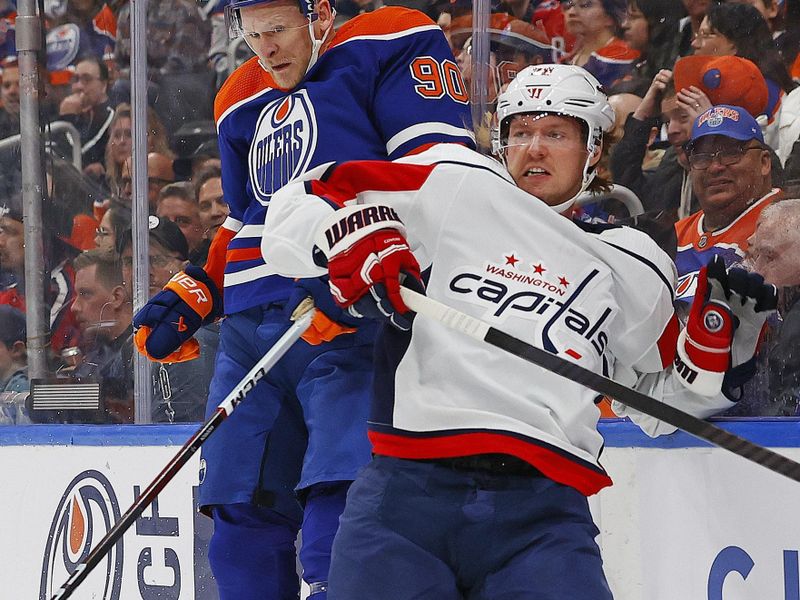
(165, 325)
(329, 321)
(725, 326)
(367, 257)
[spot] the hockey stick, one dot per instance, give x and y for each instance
(482, 331)
(225, 408)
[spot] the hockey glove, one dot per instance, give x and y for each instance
(725, 323)
(752, 302)
(166, 324)
(367, 253)
(329, 321)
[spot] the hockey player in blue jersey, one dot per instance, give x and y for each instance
(483, 462)
(383, 86)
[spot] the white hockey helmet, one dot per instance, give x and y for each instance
(565, 90)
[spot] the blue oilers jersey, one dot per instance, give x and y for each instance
(696, 246)
(386, 86)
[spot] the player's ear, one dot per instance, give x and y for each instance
(325, 13)
(596, 154)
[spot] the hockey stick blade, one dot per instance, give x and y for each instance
(225, 408)
(479, 330)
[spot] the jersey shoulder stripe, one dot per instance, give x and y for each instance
(345, 181)
(391, 21)
(246, 82)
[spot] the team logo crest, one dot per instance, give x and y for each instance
(284, 142)
(87, 511)
(63, 43)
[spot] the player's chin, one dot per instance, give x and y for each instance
(288, 77)
(537, 185)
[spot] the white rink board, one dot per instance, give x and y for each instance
(156, 562)
(680, 523)
(698, 523)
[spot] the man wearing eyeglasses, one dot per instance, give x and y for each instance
(159, 174)
(731, 172)
(88, 108)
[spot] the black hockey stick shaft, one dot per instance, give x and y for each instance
(183, 456)
(703, 430)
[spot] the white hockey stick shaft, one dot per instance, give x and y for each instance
(479, 330)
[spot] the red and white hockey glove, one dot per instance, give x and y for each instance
(367, 254)
(725, 325)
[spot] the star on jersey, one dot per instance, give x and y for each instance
(538, 269)
(563, 281)
(511, 260)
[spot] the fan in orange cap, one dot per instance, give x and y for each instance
(725, 80)
(83, 231)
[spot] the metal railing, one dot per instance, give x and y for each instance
(73, 137)
(617, 192)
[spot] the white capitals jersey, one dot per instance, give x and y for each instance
(603, 299)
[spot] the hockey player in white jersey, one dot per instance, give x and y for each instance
(483, 462)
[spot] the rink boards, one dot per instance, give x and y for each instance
(683, 520)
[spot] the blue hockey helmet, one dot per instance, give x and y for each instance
(233, 19)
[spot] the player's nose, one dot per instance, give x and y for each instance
(536, 147)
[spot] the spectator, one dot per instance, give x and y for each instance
(159, 174)
(739, 29)
(115, 222)
(9, 94)
(178, 39)
(210, 200)
(511, 49)
(13, 367)
(88, 109)
(597, 27)
(690, 25)
(120, 145)
(772, 13)
(90, 30)
(774, 252)
(178, 203)
(8, 34)
(180, 390)
(12, 255)
(731, 175)
(118, 149)
(651, 28)
(59, 291)
(667, 187)
(103, 311)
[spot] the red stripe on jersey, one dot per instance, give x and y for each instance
(215, 263)
(668, 342)
(390, 20)
(239, 254)
(348, 180)
(553, 465)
